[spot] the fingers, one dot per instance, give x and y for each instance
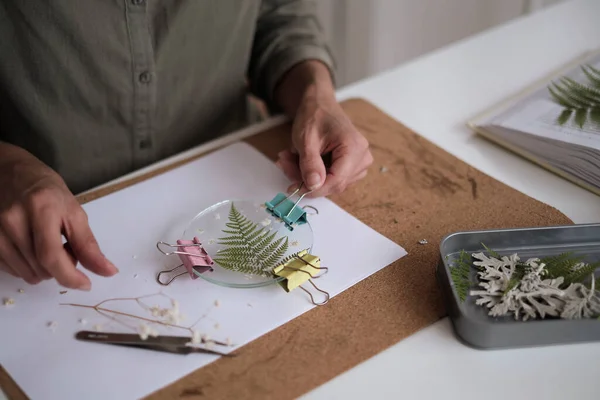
(13, 260)
(16, 226)
(4, 267)
(84, 245)
(310, 162)
(288, 163)
(51, 254)
(349, 165)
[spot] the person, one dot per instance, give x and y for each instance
(90, 91)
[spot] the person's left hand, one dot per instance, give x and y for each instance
(321, 130)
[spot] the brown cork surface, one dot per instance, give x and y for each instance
(424, 193)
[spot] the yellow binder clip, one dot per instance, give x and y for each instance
(298, 269)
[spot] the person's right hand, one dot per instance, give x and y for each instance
(36, 210)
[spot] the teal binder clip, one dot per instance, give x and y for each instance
(286, 210)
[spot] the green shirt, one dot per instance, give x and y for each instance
(99, 88)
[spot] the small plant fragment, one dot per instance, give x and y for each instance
(62, 292)
(9, 302)
(169, 317)
(423, 241)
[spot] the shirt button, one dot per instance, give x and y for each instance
(145, 77)
(137, 2)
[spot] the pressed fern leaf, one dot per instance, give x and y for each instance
(461, 275)
(561, 265)
(582, 273)
(581, 101)
(250, 249)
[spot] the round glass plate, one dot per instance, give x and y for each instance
(245, 242)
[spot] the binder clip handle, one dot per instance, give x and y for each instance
(192, 255)
(286, 210)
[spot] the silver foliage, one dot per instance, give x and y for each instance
(534, 297)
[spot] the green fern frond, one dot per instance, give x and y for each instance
(579, 275)
(516, 276)
(493, 253)
(581, 101)
(592, 74)
(561, 265)
(249, 249)
(461, 275)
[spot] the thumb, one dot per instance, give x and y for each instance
(312, 167)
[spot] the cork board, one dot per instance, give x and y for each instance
(424, 193)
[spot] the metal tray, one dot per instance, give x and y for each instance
(471, 323)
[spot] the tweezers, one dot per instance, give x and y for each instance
(169, 344)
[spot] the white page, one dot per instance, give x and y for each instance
(537, 113)
(49, 364)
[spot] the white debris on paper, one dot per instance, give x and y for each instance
(423, 241)
(196, 337)
(266, 221)
(82, 321)
(211, 241)
(135, 275)
(294, 243)
(228, 342)
(21, 291)
(217, 303)
(52, 325)
(98, 327)
(8, 302)
(134, 257)
(383, 169)
(217, 326)
(145, 331)
(217, 216)
(200, 231)
(171, 315)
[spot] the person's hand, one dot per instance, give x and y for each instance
(36, 210)
(328, 153)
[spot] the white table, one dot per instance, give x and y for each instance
(434, 95)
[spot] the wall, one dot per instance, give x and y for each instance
(370, 36)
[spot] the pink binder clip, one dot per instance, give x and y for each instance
(193, 258)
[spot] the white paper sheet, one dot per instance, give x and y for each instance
(51, 364)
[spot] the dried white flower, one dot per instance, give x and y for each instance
(196, 337)
(146, 331)
(266, 221)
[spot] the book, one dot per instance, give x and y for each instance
(555, 123)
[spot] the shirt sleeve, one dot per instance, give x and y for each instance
(287, 33)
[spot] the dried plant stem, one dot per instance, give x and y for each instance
(99, 309)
